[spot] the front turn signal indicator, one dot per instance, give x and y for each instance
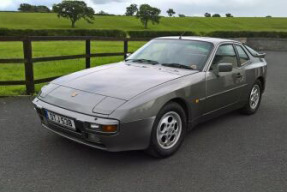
(109, 128)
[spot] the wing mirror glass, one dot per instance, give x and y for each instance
(224, 67)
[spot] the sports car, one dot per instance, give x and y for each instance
(149, 101)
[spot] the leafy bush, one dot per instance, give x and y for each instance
(230, 34)
(152, 34)
(60, 32)
(137, 34)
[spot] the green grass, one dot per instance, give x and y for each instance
(58, 68)
(197, 24)
(54, 68)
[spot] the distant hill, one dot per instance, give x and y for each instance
(17, 20)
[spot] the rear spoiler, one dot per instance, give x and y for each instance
(260, 55)
(253, 52)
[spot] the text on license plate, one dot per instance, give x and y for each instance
(61, 120)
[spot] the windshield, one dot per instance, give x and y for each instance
(174, 53)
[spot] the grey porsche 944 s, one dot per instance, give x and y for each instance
(150, 100)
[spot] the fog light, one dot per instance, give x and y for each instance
(94, 126)
(109, 128)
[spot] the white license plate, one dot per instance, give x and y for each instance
(58, 119)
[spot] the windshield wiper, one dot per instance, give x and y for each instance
(177, 65)
(143, 61)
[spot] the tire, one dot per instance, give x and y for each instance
(168, 131)
(254, 99)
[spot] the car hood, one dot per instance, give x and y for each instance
(103, 89)
(122, 81)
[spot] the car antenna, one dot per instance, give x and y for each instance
(180, 37)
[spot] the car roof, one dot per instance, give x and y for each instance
(206, 39)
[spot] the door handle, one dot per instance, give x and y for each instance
(238, 75)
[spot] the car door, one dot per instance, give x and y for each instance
(244, 61)
(223, 89)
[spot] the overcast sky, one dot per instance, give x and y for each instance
(276, 8)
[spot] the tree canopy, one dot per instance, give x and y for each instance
(25, 7)
(228, 15)
(170, 12)
(207, 15)
(147, 13)
(74, 10)
(216, 15)
(132, 10)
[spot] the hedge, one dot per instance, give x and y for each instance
(222, 34)
(236, 34)
(152, 34)
(60, 32)
(137, 34)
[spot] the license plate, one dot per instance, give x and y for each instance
(61, 120)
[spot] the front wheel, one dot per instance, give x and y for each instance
(168, 131)
(254, 99)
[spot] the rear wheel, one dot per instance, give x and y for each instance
(168, 131)
(254, 99)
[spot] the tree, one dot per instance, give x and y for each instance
(147, 13)
(170, 12)
(181, 15)
(207, 15)
(74, 10)
(229, 15)
(268, 16)
(42, 9)
(102, 13)
(132, 9)
(216, 15)
(25, 7)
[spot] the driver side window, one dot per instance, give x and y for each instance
(224, 54)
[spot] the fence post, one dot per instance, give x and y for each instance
(29, 74)
(88, 53)
(125, 48)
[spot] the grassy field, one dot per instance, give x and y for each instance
(197, 24)
(58, 68)
(54, 68)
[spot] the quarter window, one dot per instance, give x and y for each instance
(224, 54)
(242, 54)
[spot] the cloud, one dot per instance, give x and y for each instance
(105, 1)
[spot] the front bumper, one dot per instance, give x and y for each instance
(131, 136)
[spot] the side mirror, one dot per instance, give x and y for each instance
(128, 54)
(224, 67)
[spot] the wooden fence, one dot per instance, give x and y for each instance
(28, 59)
